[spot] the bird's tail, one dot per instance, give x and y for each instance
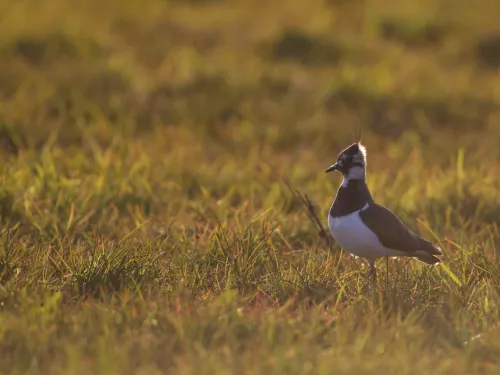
(427, 258)
(427, 255)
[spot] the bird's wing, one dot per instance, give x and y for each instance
(392, 233)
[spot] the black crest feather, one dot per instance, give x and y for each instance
(358, 133)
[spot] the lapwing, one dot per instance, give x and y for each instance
(364, 228)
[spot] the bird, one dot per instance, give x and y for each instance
(364, 228)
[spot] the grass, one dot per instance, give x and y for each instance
(147, 226)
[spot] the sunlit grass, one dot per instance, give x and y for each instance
(148, 149)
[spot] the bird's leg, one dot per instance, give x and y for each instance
(372, 271)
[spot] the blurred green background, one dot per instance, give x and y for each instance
(146, 222)
(289, 74)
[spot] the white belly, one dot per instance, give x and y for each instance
(356, 238)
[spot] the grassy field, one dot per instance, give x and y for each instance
(146, 148)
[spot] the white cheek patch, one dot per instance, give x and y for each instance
(356, 173)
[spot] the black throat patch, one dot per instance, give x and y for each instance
(350, 198)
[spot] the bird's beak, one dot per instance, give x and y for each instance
(334, 167)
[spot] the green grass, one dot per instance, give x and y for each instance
(146, 222)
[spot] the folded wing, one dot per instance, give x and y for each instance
(393, 234)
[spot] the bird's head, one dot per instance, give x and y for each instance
(351, 162)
